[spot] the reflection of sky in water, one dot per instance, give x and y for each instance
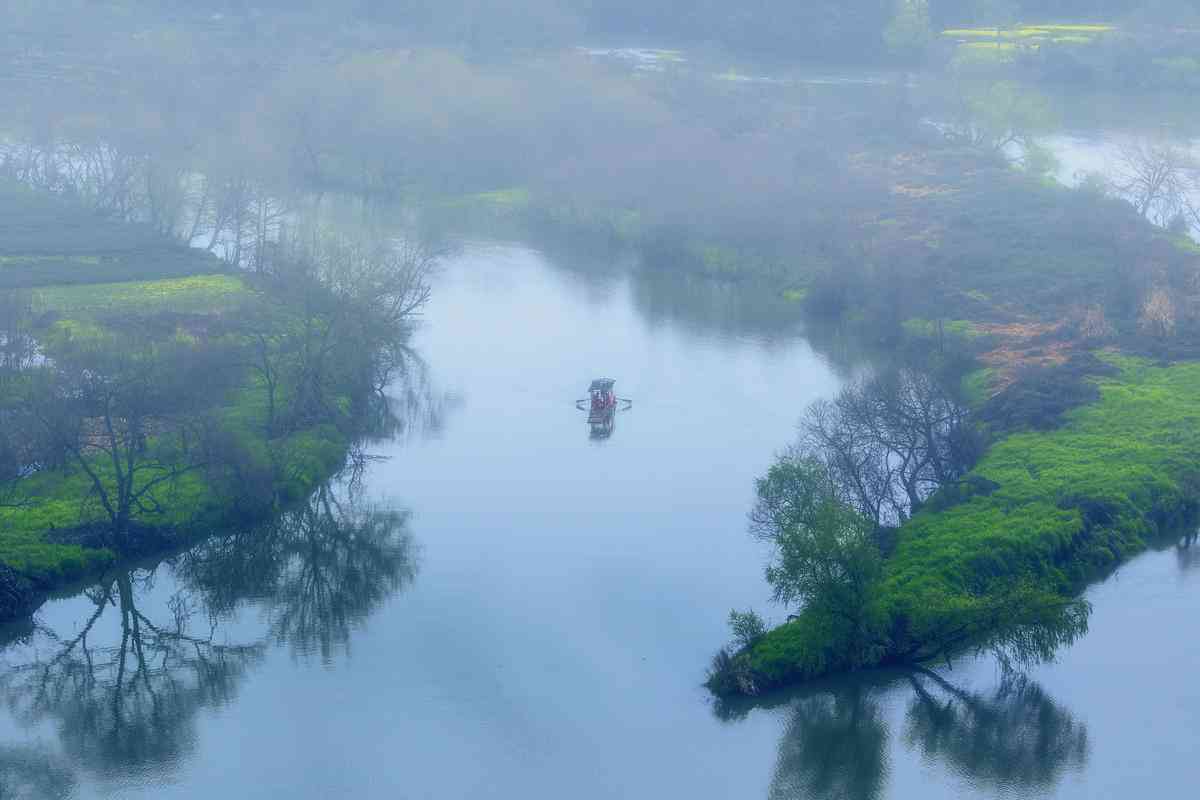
(570, 596)
(1079, 155)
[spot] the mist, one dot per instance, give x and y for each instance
(464, 399)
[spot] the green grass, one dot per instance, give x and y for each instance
(995, 33)
(499, 199)
(194, 294)
(130, 265)
(60, 500)
(1070, 504)
(996, 46)
(1026, 31)
(977, 386)
(63, 499)
(1084, 28)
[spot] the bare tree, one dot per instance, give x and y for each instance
(243, 218)
(123, 412)
(889, 441)
(1000, 117)
(352, 305)
(1157, 178)
(1157, 315)
(125, 695)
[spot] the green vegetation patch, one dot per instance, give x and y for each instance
(62, 501)
(919, 328)
(1066, 506)
(995, 33)
(977, 386)
(980, 46)
(510, 198)
(1029, 32)
(1071, 502)
(194, 294)
(22, 271)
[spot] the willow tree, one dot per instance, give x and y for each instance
(826, 559)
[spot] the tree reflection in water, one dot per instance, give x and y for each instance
(1014, 738)
(122, 688)
(410, 407)
(123, 683)
(835, 744)
(32, 773)
(1187, 551)
(316, 573)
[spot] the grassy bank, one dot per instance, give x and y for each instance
(48, 540)
(1068, 506)
(87, 301)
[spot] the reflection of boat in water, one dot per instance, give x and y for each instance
(602, 428)
(602, 405)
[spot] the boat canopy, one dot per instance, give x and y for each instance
(602, 385)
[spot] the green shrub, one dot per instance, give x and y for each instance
(747, 628)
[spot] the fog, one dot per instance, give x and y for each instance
(901, 299)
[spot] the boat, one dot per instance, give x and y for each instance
(602, 405)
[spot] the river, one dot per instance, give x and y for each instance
(502, 605)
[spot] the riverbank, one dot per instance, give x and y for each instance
(1017, 279)
(1075, 481)
(1061, 508)
(170, 349)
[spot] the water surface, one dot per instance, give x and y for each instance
(507, 607)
